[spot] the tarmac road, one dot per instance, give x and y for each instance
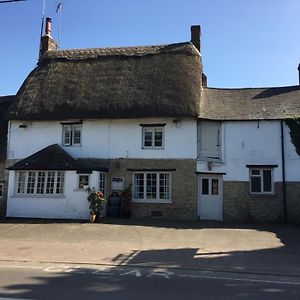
(57, 281)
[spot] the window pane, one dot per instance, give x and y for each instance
(77, 135)
(60, 183)
(1, 190)
(255, 172)
(204, 186)
(67, 134)
(158, 138)
(83, 180)
(151, 186)
(147, 138)
(21, 182)
(138, 190)
(256, 184)
(50, 182)
(214, 186)
(267, 179)
(102, 183)
(164, 186)
(31, 182)
(41, 183)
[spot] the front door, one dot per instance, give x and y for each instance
(210, 197)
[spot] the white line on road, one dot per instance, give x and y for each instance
(239, 279)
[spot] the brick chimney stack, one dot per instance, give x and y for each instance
(195, 36)
(47, 42)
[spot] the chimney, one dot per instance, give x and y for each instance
(299, 73)
(195, 36)
(47, 42)
(48, 26)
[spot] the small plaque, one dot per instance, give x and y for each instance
(117, 183)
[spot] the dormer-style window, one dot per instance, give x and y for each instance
(71, 134)
(153, 136)
(209, 145)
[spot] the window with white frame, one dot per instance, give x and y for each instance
(40, 182)
(152, 186)
(71, 134)
(153, 137)
(1, 190)
(102, 182)
(209, 139)
(261, 181)
(83, 180)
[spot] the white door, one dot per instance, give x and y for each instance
(210, 197)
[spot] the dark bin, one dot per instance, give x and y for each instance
(114, 205)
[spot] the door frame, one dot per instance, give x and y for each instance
(210, 176)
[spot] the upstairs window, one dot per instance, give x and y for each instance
(1, 190)
(153, 137)
(209, 144)
(261, 181)
(71, 134)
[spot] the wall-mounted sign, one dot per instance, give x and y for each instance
(117, 183)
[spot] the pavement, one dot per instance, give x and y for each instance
(221, 247)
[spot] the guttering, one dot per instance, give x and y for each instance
(283, 173)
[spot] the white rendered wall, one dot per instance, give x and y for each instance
(106, 139)
(254, 143)
(72, 205)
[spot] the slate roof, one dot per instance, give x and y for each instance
(54, 157)
(130, 82)
(250, 103)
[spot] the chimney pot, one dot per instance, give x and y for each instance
(48, 26)
(195, 36)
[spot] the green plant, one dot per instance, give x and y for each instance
(96, 200)
(294, 126)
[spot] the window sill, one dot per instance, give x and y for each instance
(259, 195)
(152, 201)
(207, 159)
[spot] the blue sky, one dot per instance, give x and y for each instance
(245, 43)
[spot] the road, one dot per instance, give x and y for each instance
(80, 281)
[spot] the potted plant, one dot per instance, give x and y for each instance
(126, 202)
(97, 202)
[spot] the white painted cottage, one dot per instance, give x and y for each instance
(248, 166)
(112, 119)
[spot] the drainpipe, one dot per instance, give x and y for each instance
(283, 173)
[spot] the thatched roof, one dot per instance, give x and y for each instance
(250, 103)
(131, 82)
(54, 157)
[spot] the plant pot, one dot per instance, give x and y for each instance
(93, 218)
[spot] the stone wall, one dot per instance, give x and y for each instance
(293, 202)
(183, 187)
(240, 206)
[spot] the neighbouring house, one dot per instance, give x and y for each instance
(248, 167)
(108, 118)
(143, 118)
(5, 101)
